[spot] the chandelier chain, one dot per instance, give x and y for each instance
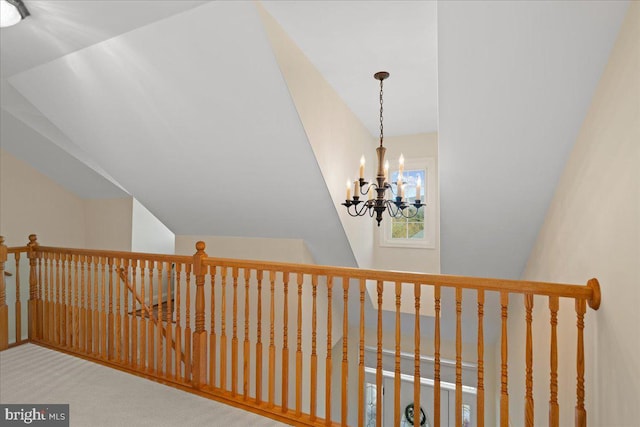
(381, 109)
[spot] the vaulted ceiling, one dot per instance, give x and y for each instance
(182, 104)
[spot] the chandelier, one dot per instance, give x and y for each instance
(381, 195)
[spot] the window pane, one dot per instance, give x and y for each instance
(415, 230)
(399, 230)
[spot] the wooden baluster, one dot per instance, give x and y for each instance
(151, 333)
(143, 317)
(327, 381)
(40, 296)
(528, 409)
(178, 333)
(33, 287)
(223, 329)
(69, 314)
(416, 342)
(118, 319)
(135, 322)
(187, 329)
(111, 331)
(159, 325)
(18, 305)
(480, 394)
(58, 306)
(87, 307)
(504, 393)
(96, 311)
(436, 362)
(41, 317)
(458, 356)
(300, 279)
(379, 289)
(259, 342)
(396, 382)
(554, 410)
(51, 317)
(581, 413)
(63, 305)
(127, 315)
(285, 344)
(53, 309)
(345, 358)
(246, 356)
(200, 334)
(83, 305)
(45, 313)
(4, 309)
(212, 333)
(314, 355)
(234, 336)
(168, 325)
(75, 312)
(272, 347)
(361, 357)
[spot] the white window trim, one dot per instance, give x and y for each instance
(429, 241)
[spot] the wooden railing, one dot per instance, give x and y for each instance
(254, 334)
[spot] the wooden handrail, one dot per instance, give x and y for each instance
(118, 254)
(589, 292)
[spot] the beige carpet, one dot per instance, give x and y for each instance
(101, 396)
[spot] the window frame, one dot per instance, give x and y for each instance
(428, 165)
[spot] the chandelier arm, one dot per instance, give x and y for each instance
(390, 205)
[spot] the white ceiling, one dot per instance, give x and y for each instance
(57, 28)
(349, 41)
(158, 99)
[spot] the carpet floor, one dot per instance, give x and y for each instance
(100, 396)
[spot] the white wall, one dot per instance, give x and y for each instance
(32, 203)
(148, 234)
(337, 137)
(592, 229)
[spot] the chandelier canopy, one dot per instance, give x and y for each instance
(380, 194)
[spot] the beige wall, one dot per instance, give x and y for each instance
(592, 229)
(259, 249)
(108, 224)
(32, 203)
(409, 259)
(337, 137)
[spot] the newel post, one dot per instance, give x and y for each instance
(4, 310)
(35, 306)
(199, 335)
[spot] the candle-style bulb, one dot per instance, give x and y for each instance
(419, 189)
(401, 164)
(348, 189)
(362, 167)
(386, 171)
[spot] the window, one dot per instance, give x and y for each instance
(418, 231)
(370, 404)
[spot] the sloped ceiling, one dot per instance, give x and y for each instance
(515, 82)
(181, 103)
(192, 117)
